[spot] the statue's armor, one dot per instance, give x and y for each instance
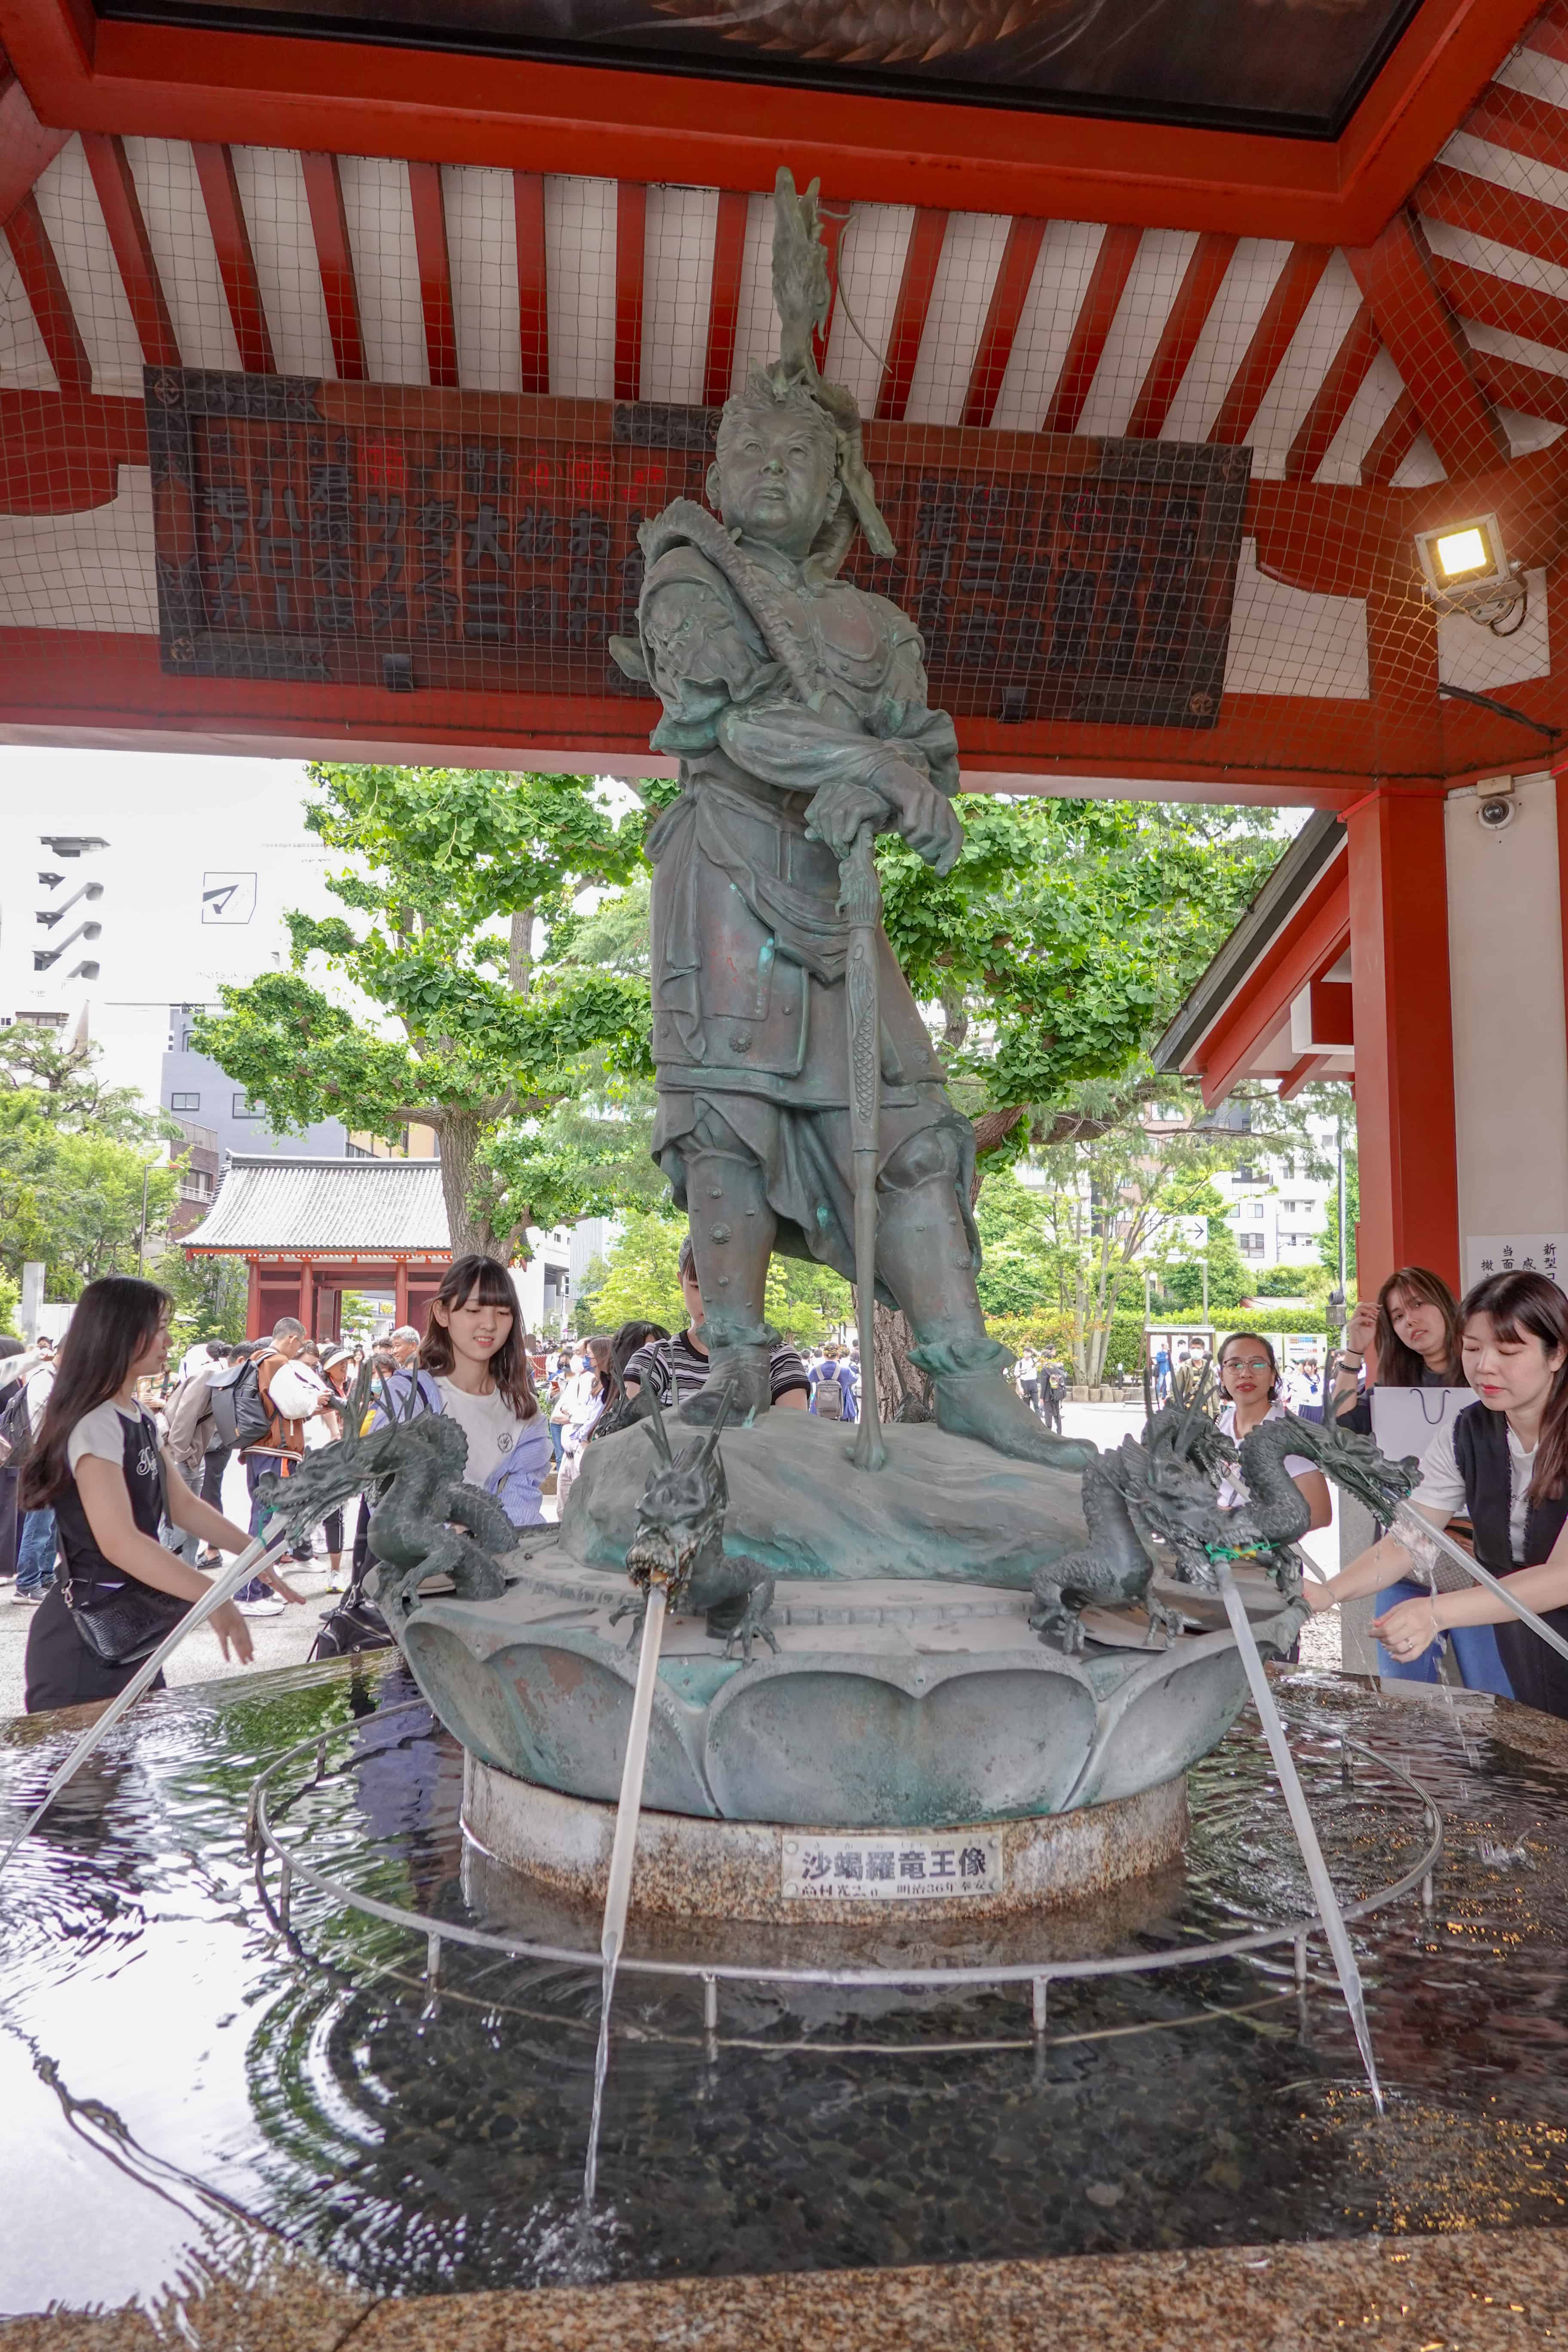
(747, 941)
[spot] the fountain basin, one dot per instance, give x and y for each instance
(695, 1869)
(888, 1705)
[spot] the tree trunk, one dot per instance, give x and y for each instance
(459, 1137)
(902, 1393)
(520, 952)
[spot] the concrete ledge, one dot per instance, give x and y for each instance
(1468, 2291)
(689, 1868)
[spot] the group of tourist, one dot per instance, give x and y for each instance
(121, 1518)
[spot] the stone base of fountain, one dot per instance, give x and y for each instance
(691, 1869)
(888, 1705)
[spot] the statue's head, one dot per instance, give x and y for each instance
(775, 472)
(788, 468)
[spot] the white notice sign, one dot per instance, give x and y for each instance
(891, 1869)
(1489, 1254)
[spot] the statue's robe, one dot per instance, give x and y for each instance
(749, 946)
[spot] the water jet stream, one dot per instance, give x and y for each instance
(1416, 1533)
(1322, 1885)
(622, 1855)
(258, 1555)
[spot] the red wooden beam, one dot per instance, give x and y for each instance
(1335, 397)
(27, 147)
(533, 280)
(1396, 279)
(1008, 295)
(1505, 215)
(1549, 31)
(122, 217)
(631, 247)
(1303, 1073)
(237, 263)
(909, 313)
(1404, 1039)
(1392, 443)
(1526, 126)
(377, 97)
(335, 261)
(1525, 311)
(1309, 944)
(435, 272)
(1195, 297)
(45, 288)
(1282, 314)
(1097, 312)
(724, 296)
(1532, 391)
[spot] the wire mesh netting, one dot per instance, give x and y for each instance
(359, 424)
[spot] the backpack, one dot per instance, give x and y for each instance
(17, 1428)
(241, 1414)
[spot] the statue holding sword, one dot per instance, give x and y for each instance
(800, 1104)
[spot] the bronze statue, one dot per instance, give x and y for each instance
(797, 705)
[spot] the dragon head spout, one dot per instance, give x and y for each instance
(680, 1521)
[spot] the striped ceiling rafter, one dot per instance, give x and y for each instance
(236, 260)
(1092, 329)
(45, 288)
(921, 257)
(123, 219)
(533, 281)
(1078, 324)
(1195, 297)
(1271, 338)
(334, 259)
(1008, 295)
(435, 259)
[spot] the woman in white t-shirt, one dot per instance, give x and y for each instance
(95, 1462)
(1249, 1382)
(473, 1367)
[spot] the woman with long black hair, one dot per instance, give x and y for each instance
(96, 1462)
(1505, 1460)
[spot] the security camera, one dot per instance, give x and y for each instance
(1496, 805)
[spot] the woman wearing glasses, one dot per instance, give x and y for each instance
(1249, 1382)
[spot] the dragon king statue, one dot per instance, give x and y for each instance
(679, 1543)
(1153, 1507)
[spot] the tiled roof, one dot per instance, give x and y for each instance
(353, 1206)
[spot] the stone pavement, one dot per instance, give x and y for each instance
(286, 1641)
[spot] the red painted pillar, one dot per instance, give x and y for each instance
(307, 1306)
(1404, 1039)
(253, 1304)
(400, 1294)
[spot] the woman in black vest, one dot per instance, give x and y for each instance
(1505, 1460)
(95, 1460)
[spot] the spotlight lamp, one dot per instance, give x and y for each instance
(1464, 569)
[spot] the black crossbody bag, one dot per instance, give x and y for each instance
(129, 1625)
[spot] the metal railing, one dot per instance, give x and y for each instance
(1034, 1976)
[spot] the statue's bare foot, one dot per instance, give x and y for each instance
(986, 1406)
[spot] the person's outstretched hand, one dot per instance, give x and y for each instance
(233, 1633)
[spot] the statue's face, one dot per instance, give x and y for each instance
(776, 477)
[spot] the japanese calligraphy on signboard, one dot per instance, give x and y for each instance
(912, 1868)
(410, 540)
(1489, 1254)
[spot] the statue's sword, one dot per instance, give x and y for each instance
(860, 899)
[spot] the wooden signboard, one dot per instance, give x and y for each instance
(356, 534)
